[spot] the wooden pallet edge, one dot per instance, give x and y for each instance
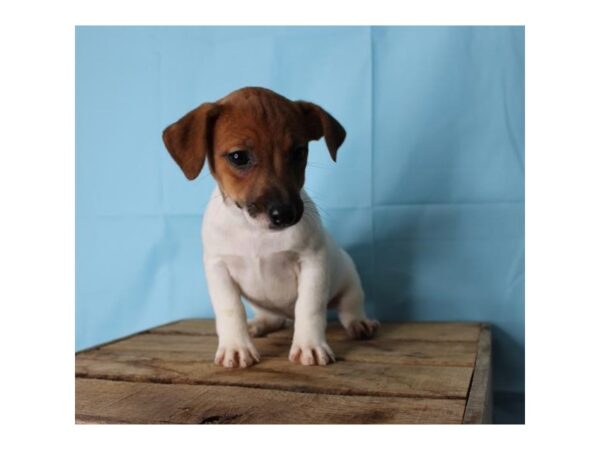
(478, 409)
(106, 416)
(123, 338)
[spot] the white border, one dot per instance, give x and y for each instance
(37, 198)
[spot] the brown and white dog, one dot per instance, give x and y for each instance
(262, 235)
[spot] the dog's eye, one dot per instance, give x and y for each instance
(299, 154)
(239, 158)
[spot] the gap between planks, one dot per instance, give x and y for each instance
(352, 376)
(262, 387)
(441, 333)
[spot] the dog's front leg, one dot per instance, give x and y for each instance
(309, 346)
(235, 347)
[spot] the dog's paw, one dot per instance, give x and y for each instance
(362, 328)
(312, 354)
(238, 355)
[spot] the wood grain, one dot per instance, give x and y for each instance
(425, 331)
(410, 373)
(202, 348)
(479, 406)
(348, 378)
(202, 327)
(101, 401)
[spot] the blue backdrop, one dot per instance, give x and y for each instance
(427, 193)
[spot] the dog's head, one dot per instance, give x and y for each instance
(256, 143)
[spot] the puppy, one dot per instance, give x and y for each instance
(262, 235)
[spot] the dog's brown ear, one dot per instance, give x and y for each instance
(190, 138)
(320, 123)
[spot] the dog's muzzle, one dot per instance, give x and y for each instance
(279, 212)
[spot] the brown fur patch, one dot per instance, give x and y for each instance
(269, 126)
(274, 127)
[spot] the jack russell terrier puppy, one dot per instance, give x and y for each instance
(262, 235)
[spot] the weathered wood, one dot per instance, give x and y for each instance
(425, 331)
(349, 378)
(101, 401)
(202, 327)
(479, 406)
(410, 373)
(202, 348)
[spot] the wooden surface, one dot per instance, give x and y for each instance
(409, 373)
(479, 402)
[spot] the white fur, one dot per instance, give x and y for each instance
(287, 274)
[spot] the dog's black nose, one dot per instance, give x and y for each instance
(281, 216)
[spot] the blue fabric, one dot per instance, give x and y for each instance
(427, 194)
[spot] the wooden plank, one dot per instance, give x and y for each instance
(426, 331)
(344, 377)
(410, 373)
(479, 405)
(202, 327)
(393, 351)
(101, 401)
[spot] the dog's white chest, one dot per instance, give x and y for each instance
(266, 265)
(269, 281)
